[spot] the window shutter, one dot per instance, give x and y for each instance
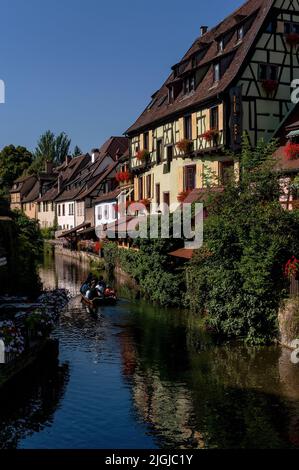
(208, 120)
(181, 128)
(153, 186)
(150, 141)
(141, 142)
(194, 126)
(136, 188)
(181, 179)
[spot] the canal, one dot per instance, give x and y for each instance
(143, 377)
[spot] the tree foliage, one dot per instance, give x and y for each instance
(13, 162)
(50, 148)
(236, 280)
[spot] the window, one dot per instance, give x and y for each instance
(188, 127)
(169, 154)
(189, 84)
(171, 94)
(71, 209)
(166, 198)
(158, 194)
(149, 186)
(217, 72)
(271, 28)
(268, 72)
(100, 213)
(190, 177)
(159, 150)
(240, 33)
(214, 116)
(146, 140)
(63, 210)
(59, 210)
(106, 212)
(221, 45)
(291, 28)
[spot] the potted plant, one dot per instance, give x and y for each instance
(292, 39)
(211, 134)
(270, 86)
(292, 151)
(185, 146)
(292, 268)
(183, 195)
(142, 155)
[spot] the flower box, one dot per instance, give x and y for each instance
(292, 151)
(123, 176)
(142, 155)
(185, 146)
(183, 195)
(210, 135)
(270, 86)
(292, 39)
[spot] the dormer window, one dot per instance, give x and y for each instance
(189, 84)
(171, 94)
(221, 45)
(216, 72)
(240, 33)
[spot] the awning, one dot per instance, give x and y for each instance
(74, 230)
(185, 253)
(293, 134)
(86, 231)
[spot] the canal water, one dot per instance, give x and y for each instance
(142, 377)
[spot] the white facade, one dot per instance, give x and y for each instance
(66, 215)
(46, 214)
(79, 213)
(105, 213)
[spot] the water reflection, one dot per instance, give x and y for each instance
(142, 377)
(32, 410)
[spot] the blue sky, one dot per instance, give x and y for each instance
(89, 67)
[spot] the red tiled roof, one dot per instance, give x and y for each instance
(186, 253)
(162, 109)
(112, 195)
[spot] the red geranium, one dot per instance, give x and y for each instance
(292, 267)
(270, 86)
(185, 145)
(183, 195)
(292, 151)
(142, 155)
(292, 39)
(210, 135)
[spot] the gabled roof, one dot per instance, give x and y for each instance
(254, 11)
(114, 146)
(111, 196)
(97, 181)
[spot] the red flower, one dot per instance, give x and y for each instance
(270, 86)
(210, 135)
(292, 151)
(183, 195)
(292, 267)
(185, 145)
(292, 39)
(142, 154)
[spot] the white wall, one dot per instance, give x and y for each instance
(105, 213)
(79, 213)
(66, 219)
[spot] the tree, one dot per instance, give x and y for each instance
(50, 148)
(77, 151)
(13, 162)
(236, 280)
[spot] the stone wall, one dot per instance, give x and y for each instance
(288, 319)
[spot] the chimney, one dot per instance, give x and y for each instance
(203, 30)
(94, 155)
(59, 183)
(68, 159)
(49, 167)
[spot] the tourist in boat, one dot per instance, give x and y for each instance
(101, 286)
(92, 292)
(86, 285)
